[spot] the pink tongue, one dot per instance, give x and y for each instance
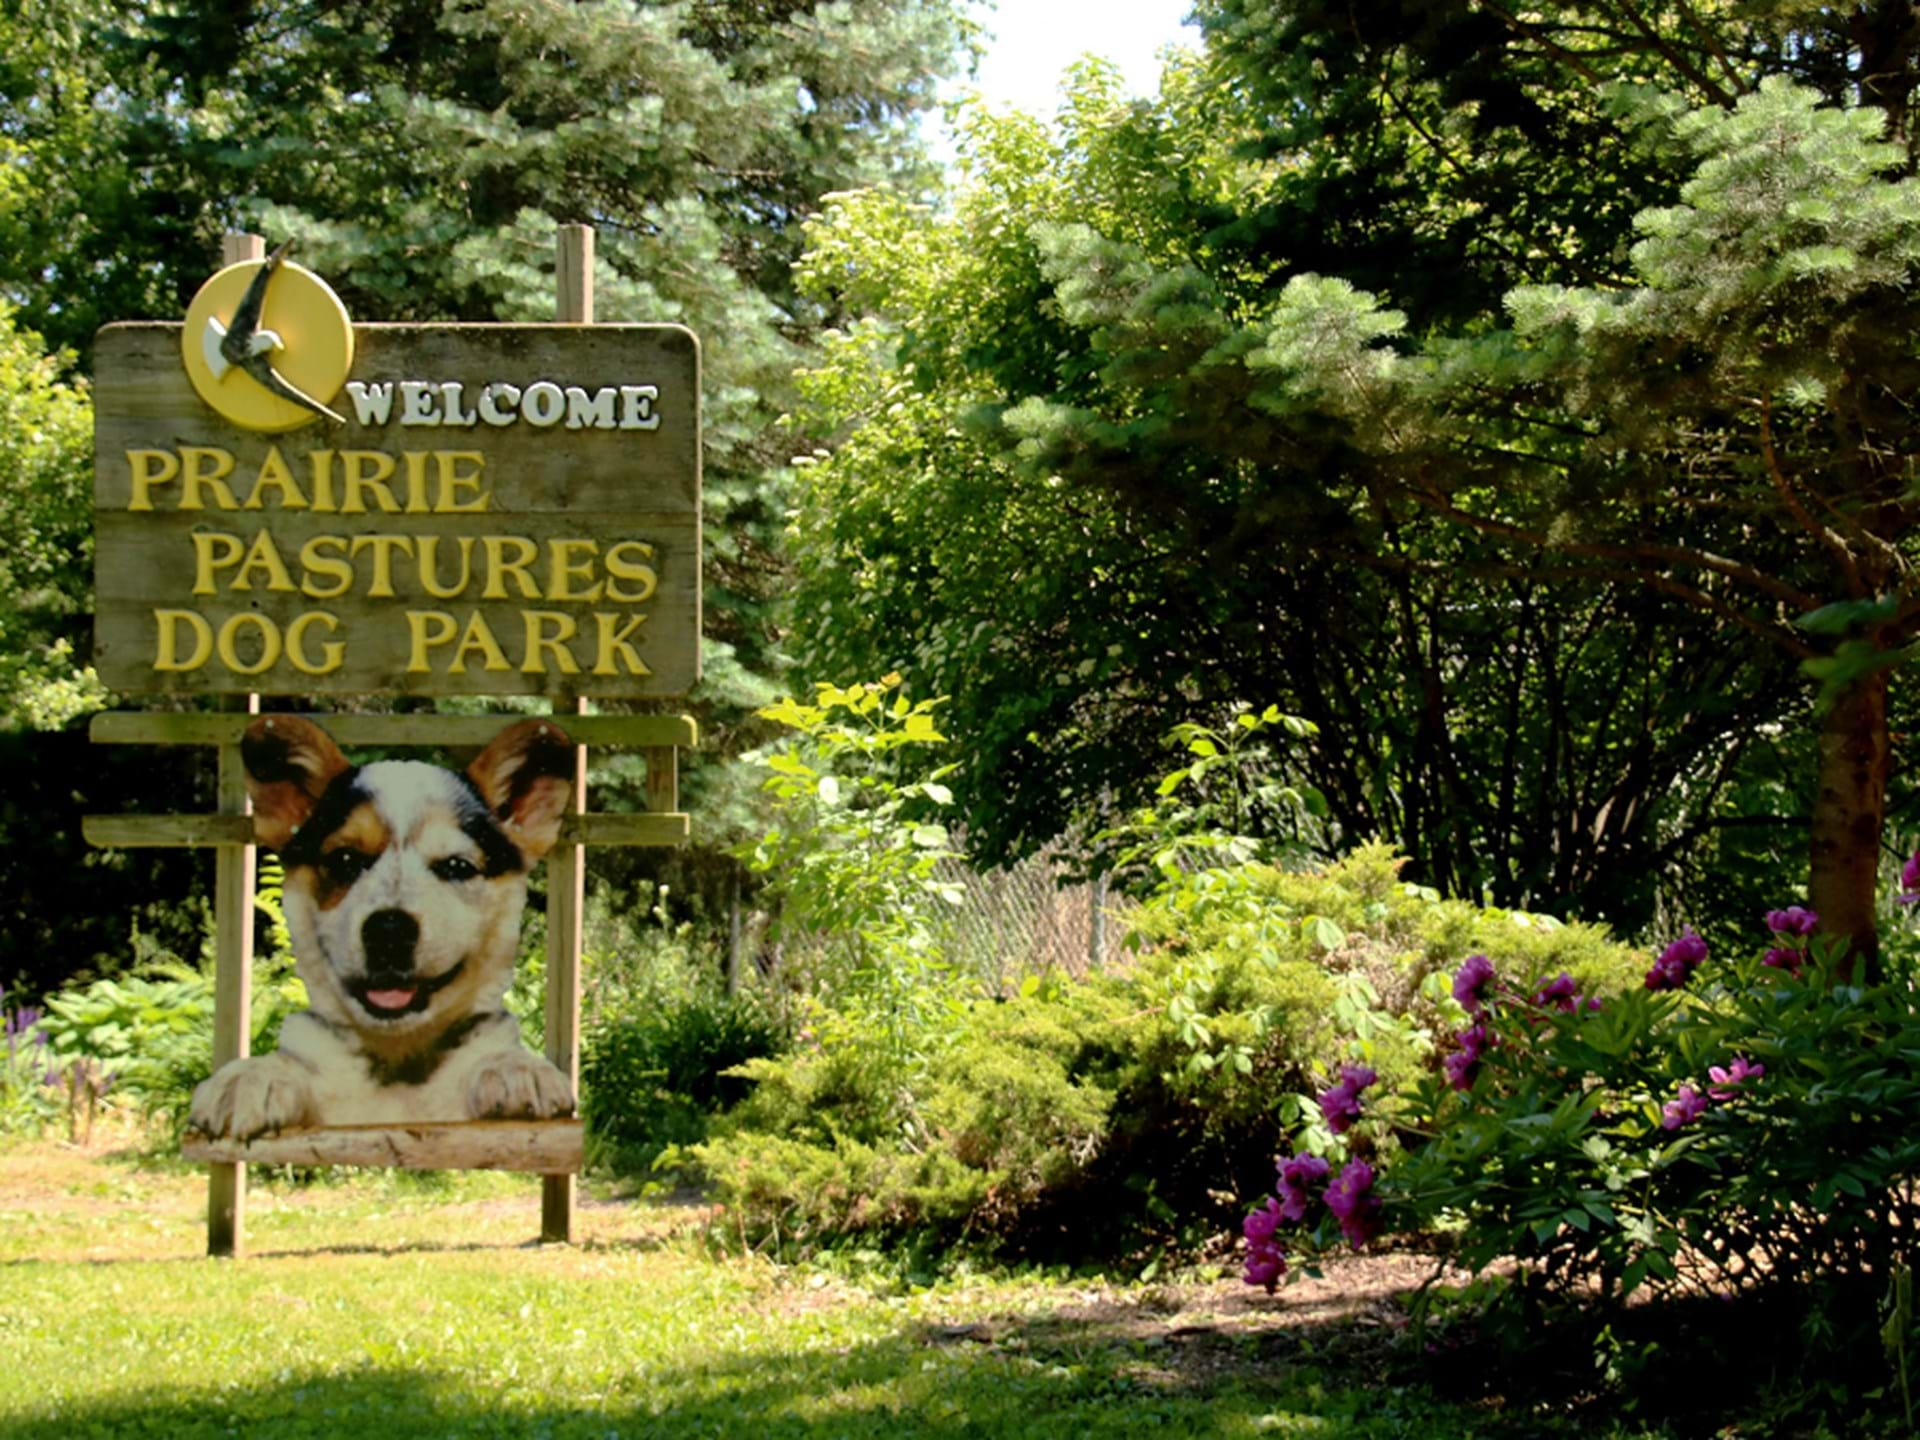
(391, 999)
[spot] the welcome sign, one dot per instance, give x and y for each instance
(289, 503)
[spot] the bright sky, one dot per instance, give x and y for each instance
(1034, 41)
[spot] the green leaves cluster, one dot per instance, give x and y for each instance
(46, 535)
(1797, 1179)
(852, 861)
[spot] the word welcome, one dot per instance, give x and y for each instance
(542, 404)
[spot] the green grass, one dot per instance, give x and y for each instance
(391, 1306)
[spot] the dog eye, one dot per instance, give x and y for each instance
(345, 865)
(455, 867)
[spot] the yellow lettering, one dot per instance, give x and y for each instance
(321, 463)
(479, 637)
(269, 643)
(209, 466)
(453, 482)
(263, 554)
(332, 652)
(367, 472)
(166, 652)
(417, 482)
(563, 570)
(427, 629)
(383, 547)
(499, 566)
(150, 468)
(614, 637)
(205, 561)
(619, 567)
(313, 564)
(429, 551)
(274, 472)
(538, 641)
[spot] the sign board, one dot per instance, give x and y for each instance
(446, 510)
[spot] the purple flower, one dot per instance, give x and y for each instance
(1677, 962)
(1794, 920)
(1297, 1172)
(1686, 1107)
(1475, 1041)
(1909, 881)
(1785, 957)
(1265, 1265)
(1559, 994)
(1259, 1226)
(1353, 1203)
(1471, 982)
(1341, 1103)
(1738, 1073)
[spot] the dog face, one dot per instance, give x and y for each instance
(405, 881)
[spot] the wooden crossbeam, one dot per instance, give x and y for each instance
(542, 1147)
(141, 832)
(626, 731)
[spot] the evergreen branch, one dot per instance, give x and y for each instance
(1714, 47)
(1679, 62)
(1570, 58)
(1644, 551)
(1842, 552)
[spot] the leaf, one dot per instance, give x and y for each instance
(828, 789)
(1326, 934)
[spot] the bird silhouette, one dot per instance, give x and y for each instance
(241, 344)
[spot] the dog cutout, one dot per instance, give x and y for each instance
(405, 884)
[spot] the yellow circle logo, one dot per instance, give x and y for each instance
(268, 344)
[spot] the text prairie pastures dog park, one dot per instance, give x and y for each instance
(610, 575)
(435, 529)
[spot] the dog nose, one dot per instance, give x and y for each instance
(389, 937)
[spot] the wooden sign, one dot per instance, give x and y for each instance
(478, 510)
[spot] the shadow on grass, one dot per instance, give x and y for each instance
(916, 1383)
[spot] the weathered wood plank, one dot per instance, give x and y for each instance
(642, 830)
(537, 529)
(400, 639)
(132, 727)
(541, 1147)
(142, 832)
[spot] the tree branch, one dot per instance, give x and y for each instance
(1842, 552)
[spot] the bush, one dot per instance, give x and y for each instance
(650, 1077)
(1122, 1115)
(1742, 1127)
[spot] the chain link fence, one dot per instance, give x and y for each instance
(1022, 921)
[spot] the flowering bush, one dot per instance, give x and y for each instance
(1733, 1124)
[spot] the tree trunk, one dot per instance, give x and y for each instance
(1849, 811)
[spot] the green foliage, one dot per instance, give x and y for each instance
(148, 1035)
(852, 860)
(1123, 435)
(651, 1076)
(1566, 1152)
(1145, 1087)
(46, 535)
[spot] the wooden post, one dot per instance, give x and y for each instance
(566, 864)
(232, 924)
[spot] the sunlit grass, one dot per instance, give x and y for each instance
(399, 1306)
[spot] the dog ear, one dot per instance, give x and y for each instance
(526, 778)
(290, 762)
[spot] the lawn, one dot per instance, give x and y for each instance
(415, 1306)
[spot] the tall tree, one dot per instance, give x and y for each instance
(1536, 479)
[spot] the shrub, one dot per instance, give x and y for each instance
(651, 1077)
(1731, 1126)
(1122, 1114)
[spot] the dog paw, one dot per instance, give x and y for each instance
(250, 1098)
(518, 1087)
